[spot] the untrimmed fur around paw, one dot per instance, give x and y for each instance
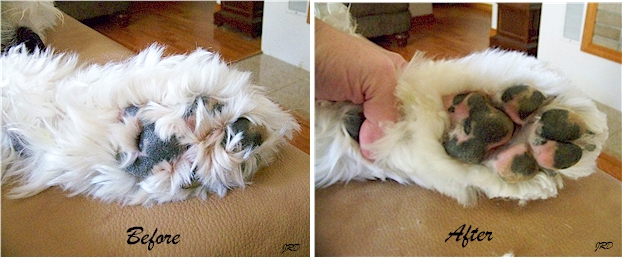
(149, 130)
(25, 22)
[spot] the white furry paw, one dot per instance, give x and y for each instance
(152, 129)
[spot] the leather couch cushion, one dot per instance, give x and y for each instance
(389, 219)
(256, 221)
(72, 36)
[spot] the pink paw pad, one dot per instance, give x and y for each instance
(541, 139)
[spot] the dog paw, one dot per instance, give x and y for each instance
(513, 132)
(30, 39)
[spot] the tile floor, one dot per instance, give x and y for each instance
(613, 146)
(285, 84)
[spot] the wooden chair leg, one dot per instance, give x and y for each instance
(401, 38)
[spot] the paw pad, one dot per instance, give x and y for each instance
(561, 125)
(353, 121)
(477, 126)
(479, 132)
(152, 150)
(252, 134)
(520, 101)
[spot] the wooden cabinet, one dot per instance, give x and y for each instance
(518, 27)
(243, 15)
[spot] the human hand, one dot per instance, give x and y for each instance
(349, 68)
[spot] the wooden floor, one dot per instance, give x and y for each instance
(182, 26)
(457, 30)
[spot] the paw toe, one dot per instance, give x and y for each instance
(252, 134)
(353, 121)
(211, 105)
(520, 101)
(561, 125)
(469, 151)
(556, 155)
(515, 164)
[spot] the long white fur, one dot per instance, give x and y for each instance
(39, 16)
(411, 150)
(68, 118)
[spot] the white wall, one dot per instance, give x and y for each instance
(495, 14)
(599, 78)
(285, 35)
(420, 9)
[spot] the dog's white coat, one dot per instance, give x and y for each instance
(411, 150)
(67, 117)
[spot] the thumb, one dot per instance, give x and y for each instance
(369, 133)
(376, 112)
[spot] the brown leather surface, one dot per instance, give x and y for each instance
(388, 219)
(70, 35)
(257, 221)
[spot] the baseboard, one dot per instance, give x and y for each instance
(422, 20)
(302, 139)
(481, 6)
(610, 165)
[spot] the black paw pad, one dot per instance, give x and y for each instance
(353, 122)
(523, 167)
(152, 149)
(29, 38)
(515, 163)
(561, 125)
(470, 151)
(522, 100)
(477, 126)
(252, 135)
(566, 155)
(555, 155)
(485, 121)
(19, 144)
